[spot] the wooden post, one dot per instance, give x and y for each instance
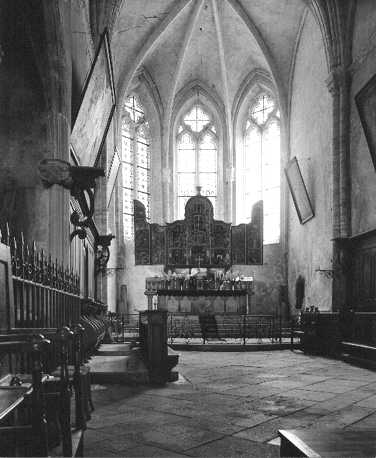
(156, 345)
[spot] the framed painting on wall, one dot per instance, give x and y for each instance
(298, 191)
(365, 101)
(96, 108)
(112, 175)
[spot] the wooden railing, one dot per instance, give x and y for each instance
(46, 294)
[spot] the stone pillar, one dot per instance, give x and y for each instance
(339, 86)
(35, 115)
(58, 87)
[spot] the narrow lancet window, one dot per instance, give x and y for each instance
(259, 166)
(196, 157)
(135, 161)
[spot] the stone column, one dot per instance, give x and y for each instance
(58, 86)
(338, 84)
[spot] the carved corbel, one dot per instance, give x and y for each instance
(80, 181)
(102, 251)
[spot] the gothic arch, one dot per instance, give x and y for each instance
(256, 81)
(198, 91)
(148, 95)
(335, 19)
(256, 78)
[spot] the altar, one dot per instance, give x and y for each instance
(197, 302)
(198, 254)
(199, 294)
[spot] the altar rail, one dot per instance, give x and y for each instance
(224, 326)
(123, 326)
(46, 294)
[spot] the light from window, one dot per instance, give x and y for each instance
(259, 166)
(135, 162)
(196, 157)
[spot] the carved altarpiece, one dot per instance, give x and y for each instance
(199, 240)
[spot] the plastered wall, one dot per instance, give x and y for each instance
(268, 279)
(363, 177)
(310, 248)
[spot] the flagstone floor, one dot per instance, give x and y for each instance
(230, 405)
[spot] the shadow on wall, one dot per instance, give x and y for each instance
(299, 292)
(266, 298)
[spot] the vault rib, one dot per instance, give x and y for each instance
(149, 45)
(244, 16)
(182, 53)
(222, 60)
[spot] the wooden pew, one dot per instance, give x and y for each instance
(327, 443)
(34, 433)
(359, 354)
(59, 378)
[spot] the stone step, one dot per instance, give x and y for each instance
(236, 347)
(358, 361)
(123, 369)
(115, 349)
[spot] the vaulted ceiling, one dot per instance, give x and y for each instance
(218, 42)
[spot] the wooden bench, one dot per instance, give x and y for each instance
(328, 443)
(57, 381)
(30, 437)
(359, 354)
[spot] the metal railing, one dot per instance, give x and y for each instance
(123, 327)
(46, 294)
(225, 327)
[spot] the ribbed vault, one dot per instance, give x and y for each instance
(218, 42)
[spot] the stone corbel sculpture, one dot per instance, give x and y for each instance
(80, 181)
(102, 251)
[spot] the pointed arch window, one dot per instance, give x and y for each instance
(196, 157)
(259, 165)
(135, 161)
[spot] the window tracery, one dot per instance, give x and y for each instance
(259, 165)
(135, 161)
(196, 157)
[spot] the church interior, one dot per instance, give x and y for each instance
(187, 236)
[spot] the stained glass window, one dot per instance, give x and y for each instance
(196, 157)
(135, 161)
(259, 166)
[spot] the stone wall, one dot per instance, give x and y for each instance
(363, 179)
(268, 280)
(310, 248)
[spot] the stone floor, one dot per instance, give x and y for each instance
(230, 405)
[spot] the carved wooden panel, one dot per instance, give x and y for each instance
(198, 240)
(158, 244)
(141, 235)
(364, 274)
(238, 244)
(176, 244)
(254, 238)
(221, 244)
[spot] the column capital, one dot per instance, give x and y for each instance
(338, 80)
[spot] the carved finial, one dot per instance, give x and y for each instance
(198, 189)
